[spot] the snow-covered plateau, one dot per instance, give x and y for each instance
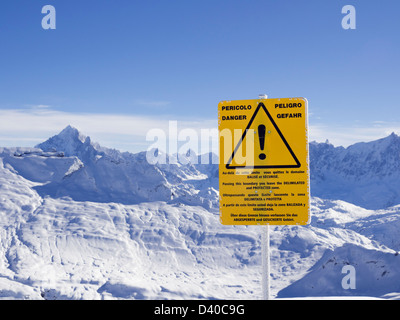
(79, 221)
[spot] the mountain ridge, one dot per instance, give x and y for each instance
(365, 173)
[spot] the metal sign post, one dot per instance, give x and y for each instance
(265, 262)
(265, 251)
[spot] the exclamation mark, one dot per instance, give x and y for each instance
(261, 137)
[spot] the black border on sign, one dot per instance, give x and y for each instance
(297, 165)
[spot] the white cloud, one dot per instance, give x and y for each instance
(151, 103)
(345, 136)
(27, 127)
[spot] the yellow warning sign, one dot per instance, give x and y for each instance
(264, 169)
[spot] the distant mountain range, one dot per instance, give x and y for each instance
(365, 174)
(80, 221)
(85, 171)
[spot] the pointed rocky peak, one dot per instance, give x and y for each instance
(380, 146)
(393, 138)
(70, 141)
(70, 132)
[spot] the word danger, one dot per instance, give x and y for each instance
(237, 117)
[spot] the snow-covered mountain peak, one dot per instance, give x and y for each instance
(72, 142)
(379, 145)
(70, 134)
(72, 131)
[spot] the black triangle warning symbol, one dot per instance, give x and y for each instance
(268, 147)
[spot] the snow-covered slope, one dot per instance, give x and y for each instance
(78, 221)
(65, 249)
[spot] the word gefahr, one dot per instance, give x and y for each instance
(288, 115)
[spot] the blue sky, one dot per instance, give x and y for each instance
(148, 62)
